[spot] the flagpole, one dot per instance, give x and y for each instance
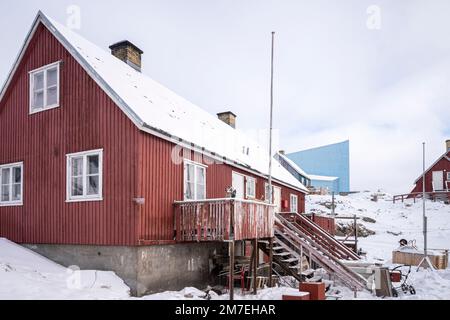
(271, 121)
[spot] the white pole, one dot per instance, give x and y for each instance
(271, 122)
(423, 205)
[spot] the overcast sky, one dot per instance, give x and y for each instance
(376, 75)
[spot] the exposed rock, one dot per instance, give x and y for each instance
(394, 233)
(344, 229)
(367, 219)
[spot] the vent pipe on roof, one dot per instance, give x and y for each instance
(128, 53)
(447, 144)
(228, 117)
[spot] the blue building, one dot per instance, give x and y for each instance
(327, 166)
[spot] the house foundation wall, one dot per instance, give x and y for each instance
(145, 269)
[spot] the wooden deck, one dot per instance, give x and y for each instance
(223, 220)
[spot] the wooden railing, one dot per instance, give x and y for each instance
(319, 235)
(429, 195)
(223, 219)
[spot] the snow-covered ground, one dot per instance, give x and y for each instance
(27, 275)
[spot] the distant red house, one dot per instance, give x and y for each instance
(95, 157)
(437, 176)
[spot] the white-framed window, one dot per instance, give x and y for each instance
(44, 88)
(250, 187)
(11, 184)
(194, 180)
(294, 203)
(85, 176)
(448, 176)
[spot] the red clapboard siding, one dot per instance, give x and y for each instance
(87, 119)
(441, 165)
(135, 164)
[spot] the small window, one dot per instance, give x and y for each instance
(250, 188)
(294, 203)
(11, 184)
(448, 176)
(44, 88)
(84, 176)
(194, 181)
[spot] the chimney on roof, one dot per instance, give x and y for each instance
(228, 117)
(282, 152)
(447, 144)
(128, 53)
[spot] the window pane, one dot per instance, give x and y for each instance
(5, 193)
(189, 172)
(77, 186)
(17, 190)
(93, 162)
(200, 175)
(200, 192)
(38, 81)
(189, 191)
(17, 175)
(52, 96)
(5, 175)
(77, 166)
(93, 185)
(52, 77)
(38, 99)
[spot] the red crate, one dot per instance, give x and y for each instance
(316, 290)
(299, 296)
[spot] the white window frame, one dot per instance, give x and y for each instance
(291, 203)
(12, 202)
(44, 69)
(247, 194)
(448, 175)
(196, 165)
(85, 196)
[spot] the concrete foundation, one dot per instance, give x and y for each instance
(145, 269)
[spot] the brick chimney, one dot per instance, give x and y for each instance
(128, 53)
(228, 117)
(447, 144)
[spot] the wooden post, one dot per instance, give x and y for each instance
(270, 261)
(255, 263)
(231, 276)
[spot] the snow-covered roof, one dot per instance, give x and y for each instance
(445, 156)
(155, 109)
(322, 178)
(293, 165)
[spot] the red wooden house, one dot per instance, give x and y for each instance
(437, 177)
(103, 168)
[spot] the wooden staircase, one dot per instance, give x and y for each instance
(297, 237)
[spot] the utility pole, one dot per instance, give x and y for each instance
(425, 260)
(271, 121)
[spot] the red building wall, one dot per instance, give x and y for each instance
(135, 164)
(86, 119)
(441, 165)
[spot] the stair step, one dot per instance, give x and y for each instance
(290, 260)
(282, 254)
(263, 241)
(278, 248)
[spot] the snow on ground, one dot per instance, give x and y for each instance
(27, 275)
(394, 221)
